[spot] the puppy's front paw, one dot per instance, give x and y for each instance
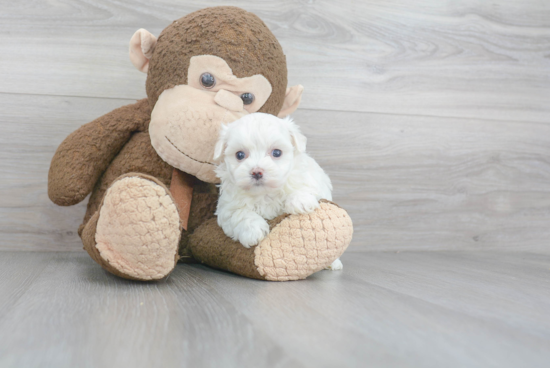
(252, 232)
(300, 203)
(335, 266)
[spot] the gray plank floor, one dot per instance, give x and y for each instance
(386, 309)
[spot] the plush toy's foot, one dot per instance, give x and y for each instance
(135, 233)
(296, 247)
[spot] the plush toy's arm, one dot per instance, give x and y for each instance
(85, 154)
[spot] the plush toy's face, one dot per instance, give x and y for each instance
(201, 77)
(187, 118)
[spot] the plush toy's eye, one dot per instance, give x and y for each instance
(276, 153)
(247, 98)
(240, 155)
(208, 80)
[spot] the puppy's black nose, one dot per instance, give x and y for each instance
(257, 175)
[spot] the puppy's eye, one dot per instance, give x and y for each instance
(247, 98)
(276, 153)
(208, 80)
(240, 155)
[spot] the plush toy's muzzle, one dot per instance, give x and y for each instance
(184, 128)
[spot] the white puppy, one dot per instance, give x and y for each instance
(264, 173)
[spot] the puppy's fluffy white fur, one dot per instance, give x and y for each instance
(256, 185)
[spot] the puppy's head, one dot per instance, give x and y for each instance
(257, 151)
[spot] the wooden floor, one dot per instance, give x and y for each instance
(432, 119)
(386, 309)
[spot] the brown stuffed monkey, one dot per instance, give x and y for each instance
(149, 168)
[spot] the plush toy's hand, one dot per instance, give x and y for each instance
(85, 154)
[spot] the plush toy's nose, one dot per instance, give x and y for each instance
(229, 101)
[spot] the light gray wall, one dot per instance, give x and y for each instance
(432, 118)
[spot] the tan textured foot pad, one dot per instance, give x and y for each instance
(138, 229)
(301, 245)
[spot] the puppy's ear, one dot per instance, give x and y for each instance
(298, 139)
(221, 143)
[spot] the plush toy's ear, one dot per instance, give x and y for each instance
(298, 139)
(142, 45)
(220, 144)
(292, 100)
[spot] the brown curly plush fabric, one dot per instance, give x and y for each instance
(82, 158)
(237, 36)
(296, 246)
